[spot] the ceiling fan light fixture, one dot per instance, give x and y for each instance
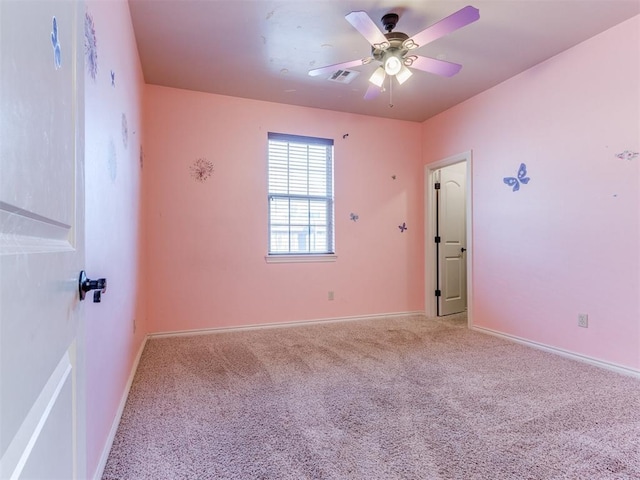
(392, 65)
(403, 75)
(378, 77)
(394, 50)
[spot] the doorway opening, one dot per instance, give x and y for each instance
(448, 237)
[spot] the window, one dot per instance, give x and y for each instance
(300, 195)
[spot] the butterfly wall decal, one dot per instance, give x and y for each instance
(113, 78)
(354, 217)
(627, 155)
(402, 227)
(522, 178)
(57, 53)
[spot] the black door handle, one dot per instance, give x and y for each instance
(463, 249)
(85, 285)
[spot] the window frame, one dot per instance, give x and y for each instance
(328, 200)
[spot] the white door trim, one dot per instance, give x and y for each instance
(430, 304)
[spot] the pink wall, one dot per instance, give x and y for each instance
(568, 242)
(113, 219)
(208, 240)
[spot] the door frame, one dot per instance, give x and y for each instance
(430, 302)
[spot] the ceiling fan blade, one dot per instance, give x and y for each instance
(432, 65)
(372, 92)
(362, 22)
(445, 26)
(332, 68)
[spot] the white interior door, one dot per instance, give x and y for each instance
(41, 239)
(452, 258)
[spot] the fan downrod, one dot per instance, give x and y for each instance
(389, 21)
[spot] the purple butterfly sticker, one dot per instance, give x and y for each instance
(57, 54)
(402, 227)
(522, 178)
(627, 155)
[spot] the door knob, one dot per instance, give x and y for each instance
(463, 249)
(86, 285)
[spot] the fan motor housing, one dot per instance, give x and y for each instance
(389, 21)
(396, 39)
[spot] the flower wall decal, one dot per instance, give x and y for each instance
(90, 46)
(125, 131)
(201, 169)
(112, 161)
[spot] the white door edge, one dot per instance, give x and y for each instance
(430, 303)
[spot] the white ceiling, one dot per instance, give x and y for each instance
(263, 50)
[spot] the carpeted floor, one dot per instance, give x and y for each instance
(410, 398)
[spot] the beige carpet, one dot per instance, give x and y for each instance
(409, 398)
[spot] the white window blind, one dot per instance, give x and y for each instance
(300, 195)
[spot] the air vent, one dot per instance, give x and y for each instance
(343, 76)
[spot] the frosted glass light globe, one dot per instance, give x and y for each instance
(392, 65)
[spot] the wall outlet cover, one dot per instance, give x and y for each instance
(583, 320)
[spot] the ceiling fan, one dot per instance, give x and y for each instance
(394, 50)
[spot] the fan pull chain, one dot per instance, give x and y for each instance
(390, 92)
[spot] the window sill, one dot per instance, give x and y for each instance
(328, 257)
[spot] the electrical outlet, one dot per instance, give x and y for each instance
(330, 295)
(583, 320)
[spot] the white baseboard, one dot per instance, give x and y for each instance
(116, 421)
(564, 353)
(299, 323)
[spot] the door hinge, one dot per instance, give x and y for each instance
(436, 239)
(438, 293)
(437, 186)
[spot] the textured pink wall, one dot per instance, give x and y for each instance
(208, 239)
(568, 242)
(113, 219)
